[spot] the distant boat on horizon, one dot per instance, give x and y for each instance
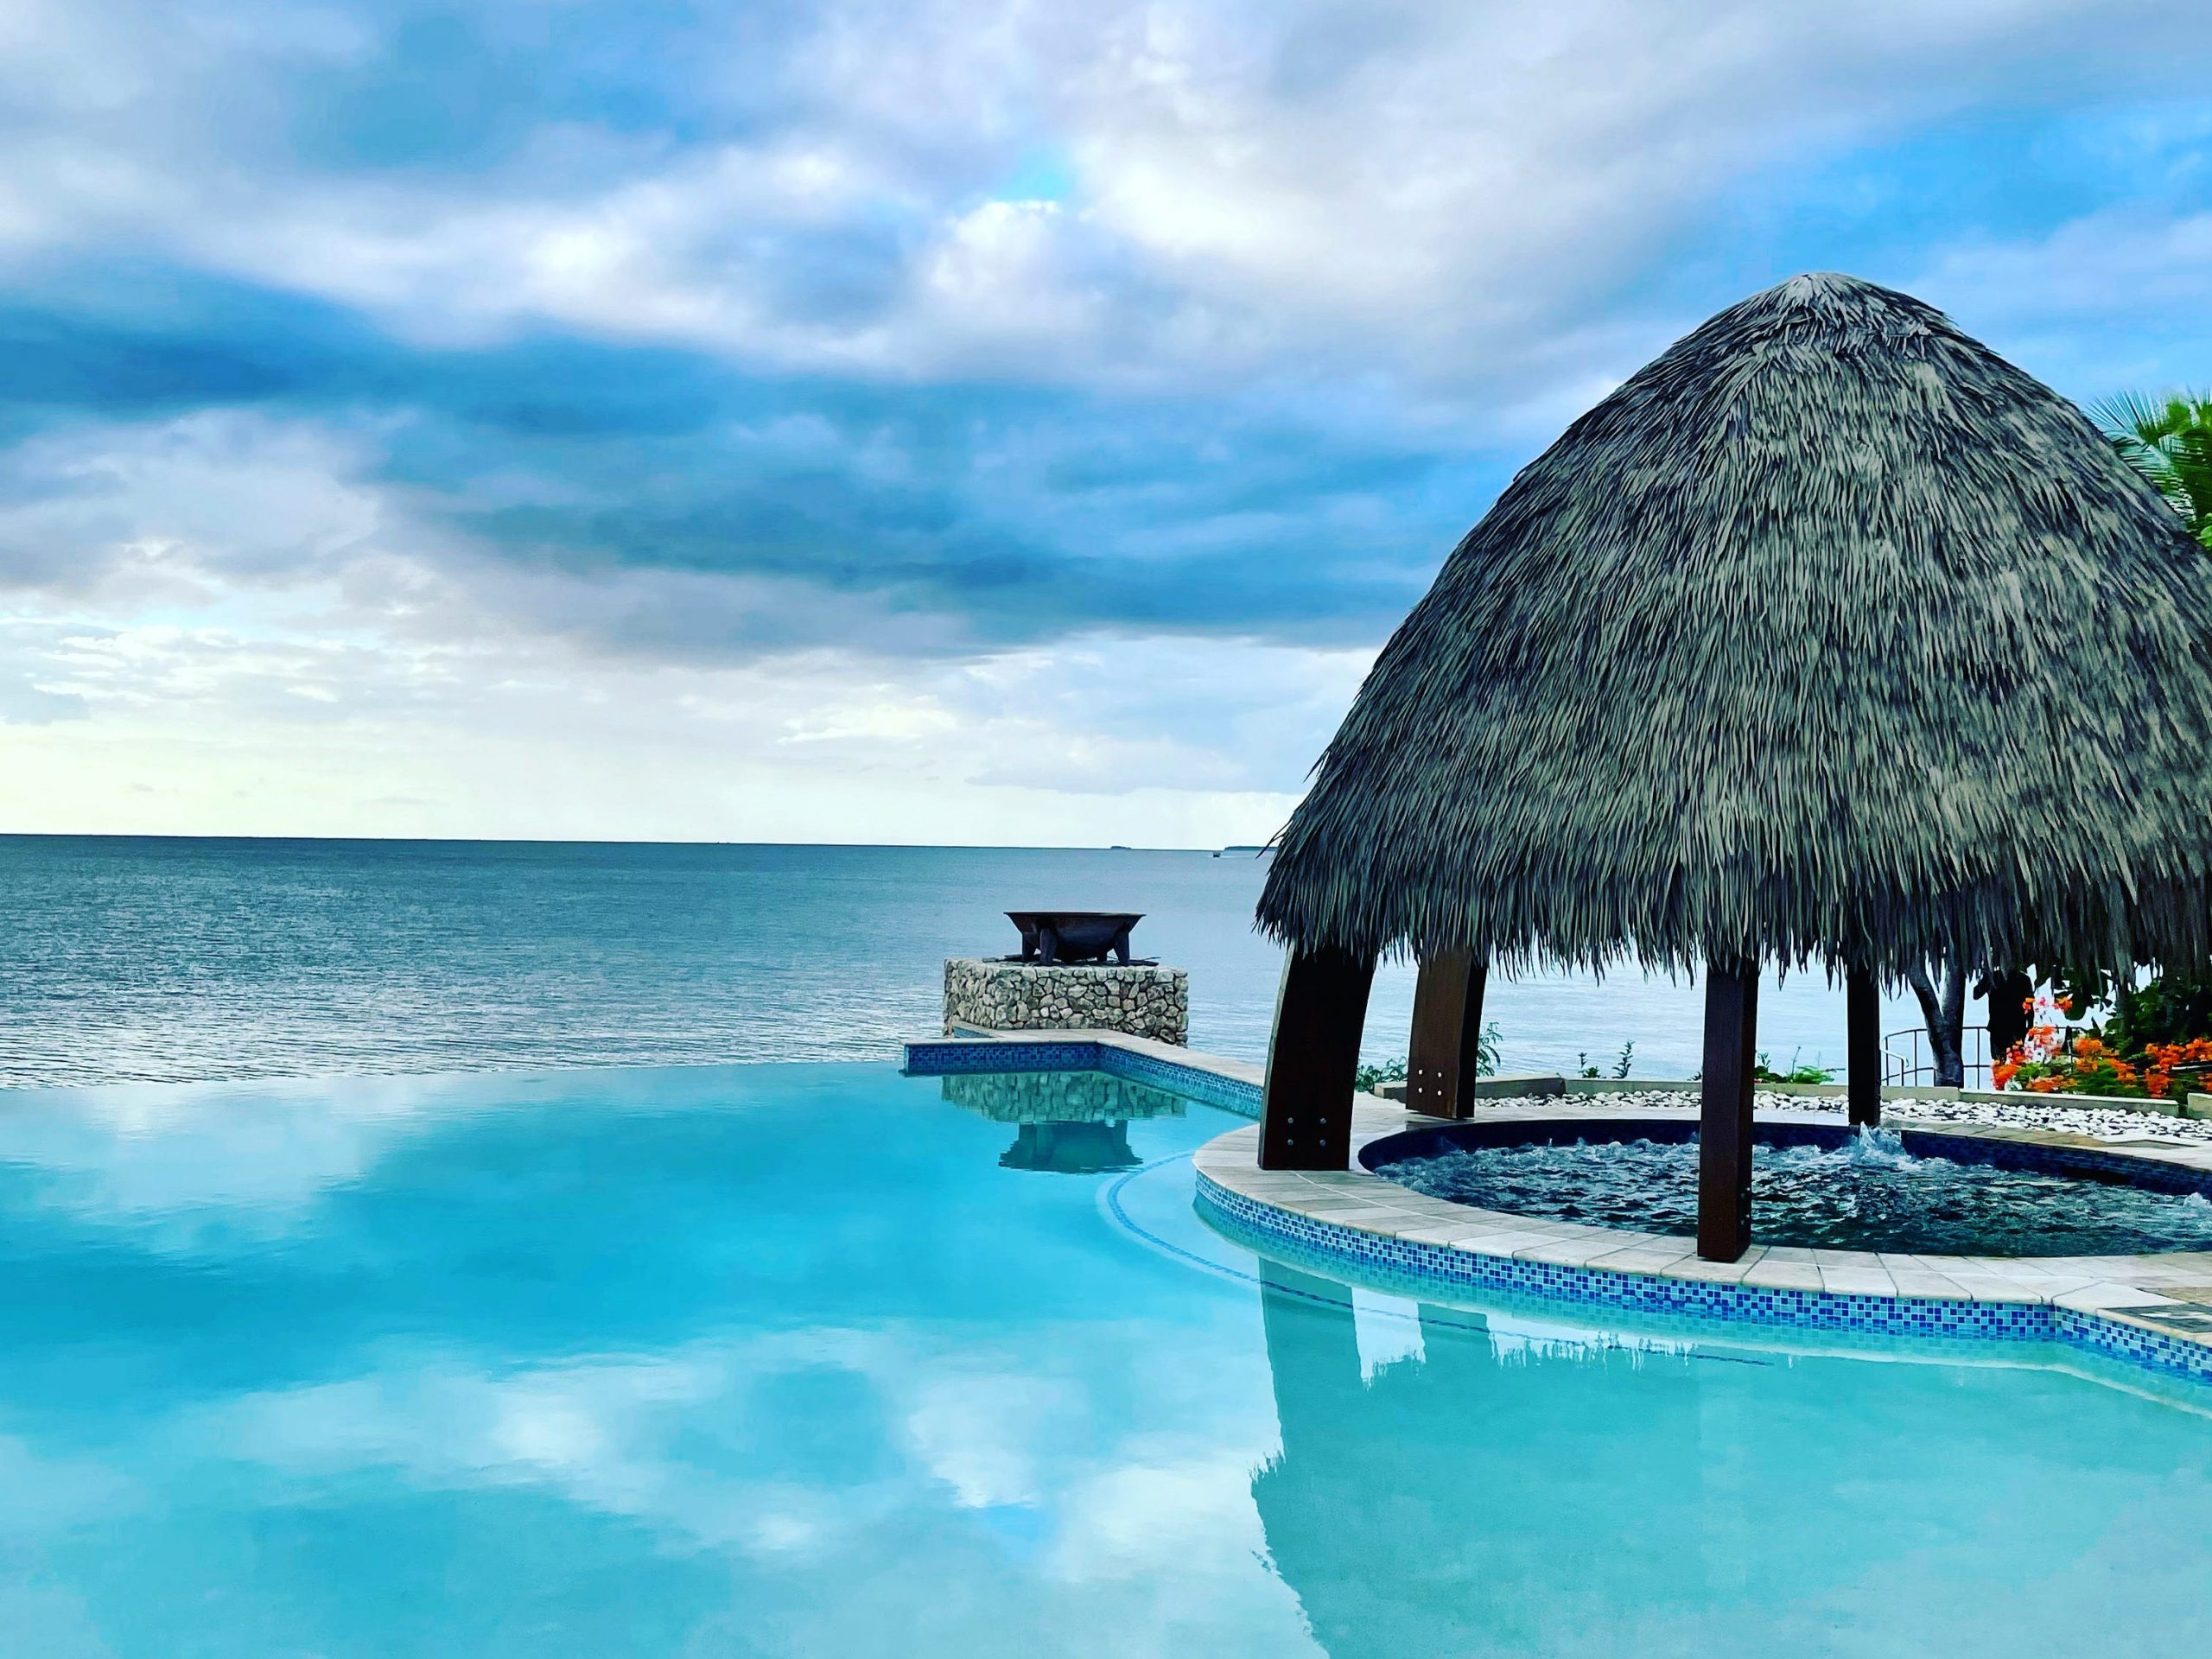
(1244, 852)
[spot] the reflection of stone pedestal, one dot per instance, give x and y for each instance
(1070, 1148)
(999, 995)
(1058, 1097)
(1067, 1123)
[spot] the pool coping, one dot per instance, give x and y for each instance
(2150, 1310)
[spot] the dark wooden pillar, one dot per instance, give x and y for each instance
(1723, 1162)
(1306, 1110)
(2009, 992)
(1442, 1062)
(1862, 1021)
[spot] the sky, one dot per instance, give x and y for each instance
(918, 420)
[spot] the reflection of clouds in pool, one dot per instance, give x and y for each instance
(984, 1433)
(130, 1152)
(40, 1490)
(1172, 1507)
(698, 1443)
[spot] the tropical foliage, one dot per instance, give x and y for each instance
(1586, 1067)
(2157, 1045)
(1794, 1072)
(2169, 441)
(1369, 1078)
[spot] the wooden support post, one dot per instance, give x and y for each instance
(2009, 991)
(1306, 1108)
(1442, 1060)
(1724, 1163)
(1862, 1022)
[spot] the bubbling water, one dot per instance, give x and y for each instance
(1871, 1193)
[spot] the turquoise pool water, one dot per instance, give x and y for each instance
(815, 1360)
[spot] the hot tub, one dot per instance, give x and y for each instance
(1913, 1192)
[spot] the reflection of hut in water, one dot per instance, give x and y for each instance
(1502, 1494)
(1069, 1122)
(1410, 1513)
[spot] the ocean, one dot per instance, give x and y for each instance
(155, 959)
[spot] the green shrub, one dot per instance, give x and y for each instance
(1764, 1073)
(1369, 1078)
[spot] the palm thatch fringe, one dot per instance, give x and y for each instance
(1831, 637)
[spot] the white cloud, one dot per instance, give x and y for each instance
(1418, 218)
(260, 636)
(2078, 270)
(1437, 190)
(2040, 298)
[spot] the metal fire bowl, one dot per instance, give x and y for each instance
(1050, 936)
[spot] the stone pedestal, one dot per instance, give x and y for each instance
(1152, 1002)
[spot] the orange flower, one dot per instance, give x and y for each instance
(2004, 1070)
(2158, 1082)
(2066, 1005)
(2087, 1047)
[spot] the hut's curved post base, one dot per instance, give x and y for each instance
(1443, 1057)
(1724, 1160)
(1313, 1060)
(1862, 1021)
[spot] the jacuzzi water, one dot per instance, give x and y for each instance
(784, 1360)
(1870, 1195)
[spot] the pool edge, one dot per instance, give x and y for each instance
(1982, 1299)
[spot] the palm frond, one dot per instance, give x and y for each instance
(2168, 439)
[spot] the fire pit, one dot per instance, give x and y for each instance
(1059, 936)
(1067, 978)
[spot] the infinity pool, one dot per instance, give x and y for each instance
(826, 1361)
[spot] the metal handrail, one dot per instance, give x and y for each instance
(1918, 1069)
(1911, 1071)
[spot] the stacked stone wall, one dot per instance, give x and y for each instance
(1152, 1002)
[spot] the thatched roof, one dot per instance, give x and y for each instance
(1831, 634)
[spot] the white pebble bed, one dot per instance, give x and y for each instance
(2101, 1122)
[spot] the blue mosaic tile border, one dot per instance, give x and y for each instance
(954, 1055)
(1210, 1088)
(1654, 1294)
(1611, 1287)
(2133, 1344)
(961, 1055)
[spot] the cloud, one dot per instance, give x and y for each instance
(1005, 398)
(1437, 189)
(2073, 273)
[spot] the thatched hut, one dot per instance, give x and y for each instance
(1831, 638)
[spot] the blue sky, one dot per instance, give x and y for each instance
(918, 421)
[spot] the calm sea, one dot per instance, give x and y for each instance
(155, 959)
